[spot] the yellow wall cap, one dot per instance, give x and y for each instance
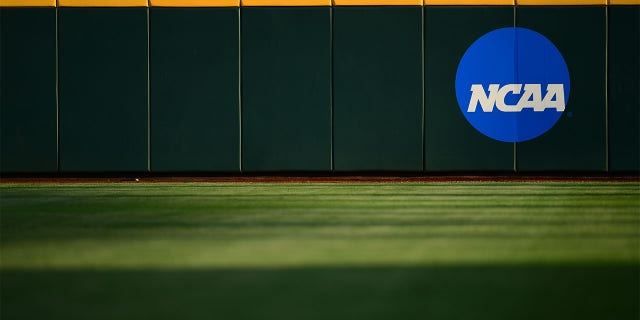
(102, 3)
(561, 2)
(468, 2)
(285, 3)
(27, 3)
(377, 2)
(195, 3)
(633, 2)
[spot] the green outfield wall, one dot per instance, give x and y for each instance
(28, 90)
(224, 86)
(194, 105)
(286, 88)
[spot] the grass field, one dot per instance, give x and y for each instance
(472, 250)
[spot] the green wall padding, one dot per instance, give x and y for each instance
(194, 57)
(286, 93)
(28, 135)
(377, 74)
(577, 142)
(624, 88)
(103, 89)
(265, 89)
(451, 143)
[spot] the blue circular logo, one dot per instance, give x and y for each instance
(512, 84)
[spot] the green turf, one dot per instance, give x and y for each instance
(320, 251)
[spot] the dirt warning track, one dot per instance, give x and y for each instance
(313, 179)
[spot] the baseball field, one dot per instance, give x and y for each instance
(320, 250)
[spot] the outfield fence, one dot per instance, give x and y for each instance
(304, 86)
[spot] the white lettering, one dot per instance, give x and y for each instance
(478, 95)
(531, 97)
(502, 94)
(557, 91)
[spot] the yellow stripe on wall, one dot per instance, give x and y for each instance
(300, 3)
(560, 2)
(468, 2)
(102, 3)
(195, 3)
(285, 3)
(625, 2)
(377, 2)
(27, 3)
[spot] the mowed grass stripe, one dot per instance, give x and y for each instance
(278, 225)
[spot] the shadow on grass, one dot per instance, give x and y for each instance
(436, 292)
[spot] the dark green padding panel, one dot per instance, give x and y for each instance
(286, 93)
(377, 74)
(577, 142)
(28, 136)
(624, 88)
(195, 121)
(103, 89)
(451, 143)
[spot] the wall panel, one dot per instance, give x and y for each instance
(451, 143)
(195, 122)
(286, 93)
(28, 133)
(377, 74)
(624, 88)
(577, 142)
(103, 89)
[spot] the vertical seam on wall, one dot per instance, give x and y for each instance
(148, 90)
(606, 87)
(240, 88)
(332, 160)
(57, 91)
(422, 89)
(515, 144)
